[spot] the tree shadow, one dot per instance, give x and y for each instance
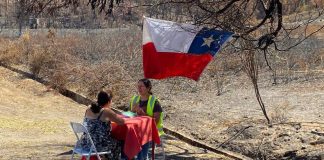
(173, 151)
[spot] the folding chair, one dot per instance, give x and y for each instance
(162, 146)
(79, 130)
(162, 139)
(153, 149)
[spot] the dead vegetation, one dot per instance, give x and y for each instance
(87, 64)
(34, 123)
(76, 62)
(90, 61)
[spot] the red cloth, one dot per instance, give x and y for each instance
(136, 132)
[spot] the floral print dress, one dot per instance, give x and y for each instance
(100, 134)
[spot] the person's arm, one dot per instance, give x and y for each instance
(157, 111)
(86, 112)
(157, 117)
(112, 116)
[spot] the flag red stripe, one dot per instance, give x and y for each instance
(167, 64)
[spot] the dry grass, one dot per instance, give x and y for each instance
(279, 113)
(85, 64)
(34, 123)
(88, 62)
(9, 51)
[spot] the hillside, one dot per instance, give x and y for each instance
(70, 46)
(34, 123)
(234, 120)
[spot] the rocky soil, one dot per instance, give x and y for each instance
(234, 120)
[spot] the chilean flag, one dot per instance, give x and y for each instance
(171, 49)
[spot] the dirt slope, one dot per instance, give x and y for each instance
(234, 120)
(34, 123)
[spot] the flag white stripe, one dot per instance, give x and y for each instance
(169, 36)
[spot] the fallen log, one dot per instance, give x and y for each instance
(86, 101)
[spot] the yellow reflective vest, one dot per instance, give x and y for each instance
(149, 110)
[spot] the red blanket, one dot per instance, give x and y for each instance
(136, 132)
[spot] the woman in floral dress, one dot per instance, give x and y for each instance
(98, 122)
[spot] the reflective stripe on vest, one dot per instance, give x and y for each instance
(150, 105)
(149, 110)
(135, 99)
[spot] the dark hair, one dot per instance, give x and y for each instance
(102, 99)
(147, 84)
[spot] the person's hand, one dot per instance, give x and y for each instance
(140, 112)
(134, 108)
(125, 120)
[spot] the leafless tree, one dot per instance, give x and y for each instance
(1, 27)
(259, 25)
(26, 8)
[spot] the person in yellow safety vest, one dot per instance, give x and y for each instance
(147, 104)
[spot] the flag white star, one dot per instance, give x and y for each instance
(208, 41)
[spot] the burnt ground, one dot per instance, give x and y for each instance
(234, 120)
(34, 123)
(35, 119)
